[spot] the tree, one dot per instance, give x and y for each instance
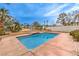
(3, 14)
(36, 26)
(27, 26)
(1, 28)
(76, 19)
(7, 22)
(15, 27)
(62, 18)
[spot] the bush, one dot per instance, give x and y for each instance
(2, 31)
(15, 28)
(75, 35)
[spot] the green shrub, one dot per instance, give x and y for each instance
(2, 31)
(75, 35)
(15, 28)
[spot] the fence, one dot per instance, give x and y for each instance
(64, 28)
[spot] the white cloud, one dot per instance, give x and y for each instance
(76, 7)
(55, 10)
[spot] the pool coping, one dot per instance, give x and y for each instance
(46, 42)
(49, 48)
(39, 45)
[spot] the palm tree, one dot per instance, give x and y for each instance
(8, 22)
(3, 14)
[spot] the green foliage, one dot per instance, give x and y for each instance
(36, 26)
(67, 19)
(75, 35)
(8, 21)
(3, 14)
(62, 18)
(15, 28)
(25, 25)
(2, 31)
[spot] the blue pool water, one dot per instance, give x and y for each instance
(34, 40)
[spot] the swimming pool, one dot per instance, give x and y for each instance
(34, 40)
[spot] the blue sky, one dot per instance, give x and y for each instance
(30, 12)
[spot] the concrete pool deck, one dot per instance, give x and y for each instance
(61, 45)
